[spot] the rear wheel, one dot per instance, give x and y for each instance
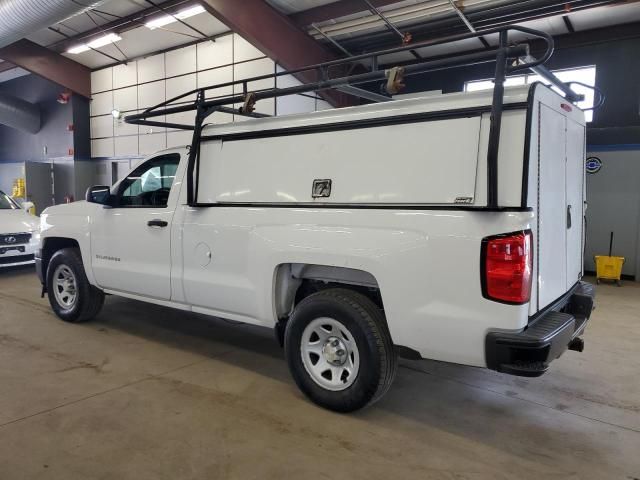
(71, 296)
(339, 350)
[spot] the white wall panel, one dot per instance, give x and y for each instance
(185, 118)
(243, 50)
(102, 80)
(215, 54)
(126, 99)
(214, 77)
(286, 80)
(181, 61)
(102, 103)
(179, 138)
(146, 130)
(102, 126)
(125, 75)
(152, 143)
(151, 94)
(179, 85)
(120, 127)
(295, 104)
(254, 68)
(151, 68)
(149, 81)
(126, 145)
(102, 147)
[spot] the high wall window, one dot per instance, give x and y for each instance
(586, 75)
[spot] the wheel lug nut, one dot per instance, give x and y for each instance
(340, 352)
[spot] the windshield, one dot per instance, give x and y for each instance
(6, 203)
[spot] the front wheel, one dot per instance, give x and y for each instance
(339, 350)
(71, 296)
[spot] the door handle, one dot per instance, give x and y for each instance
(157, 223)
(568, 217)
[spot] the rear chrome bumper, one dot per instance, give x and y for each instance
(528, 353)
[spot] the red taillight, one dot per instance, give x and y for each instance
(506, 267)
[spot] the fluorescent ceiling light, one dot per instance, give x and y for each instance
(106, 40)
(78, 49)
(167, 19)
(96, 43)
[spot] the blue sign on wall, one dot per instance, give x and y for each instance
(593, 165)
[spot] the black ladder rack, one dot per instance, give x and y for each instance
(509, 58)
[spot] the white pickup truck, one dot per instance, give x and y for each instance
(358, 234)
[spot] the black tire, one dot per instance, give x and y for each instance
(89, 299)
(367, 324)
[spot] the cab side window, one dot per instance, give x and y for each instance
(149, 185)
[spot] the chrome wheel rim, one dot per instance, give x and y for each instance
(64, 287)
(330, 354)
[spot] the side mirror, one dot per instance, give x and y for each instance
(100, 194)
(27, 206)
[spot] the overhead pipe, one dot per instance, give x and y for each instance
(20, 18)
(19, 114)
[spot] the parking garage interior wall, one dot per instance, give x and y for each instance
(613, 200)
(116, 145)
(54, 140)
(57, 144)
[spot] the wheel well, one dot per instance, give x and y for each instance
(51, 245)
(295, 281)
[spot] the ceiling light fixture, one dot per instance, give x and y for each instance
(96, 43)
(167, 19)
(78, 49)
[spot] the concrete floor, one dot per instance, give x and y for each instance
(145, 392)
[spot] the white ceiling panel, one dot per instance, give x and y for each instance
(13, 73)
(605, 16)
(91, 59)
(293, 6)
(124, 7)
(135, 43)
(45, 37)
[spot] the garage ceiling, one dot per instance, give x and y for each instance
(352, 24)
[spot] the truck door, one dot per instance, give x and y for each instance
(575, 179)
(560, 204)
(131, 242)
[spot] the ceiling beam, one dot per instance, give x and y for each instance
(50, 65)
(4, 66)
(335, 10)
(277, 37)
